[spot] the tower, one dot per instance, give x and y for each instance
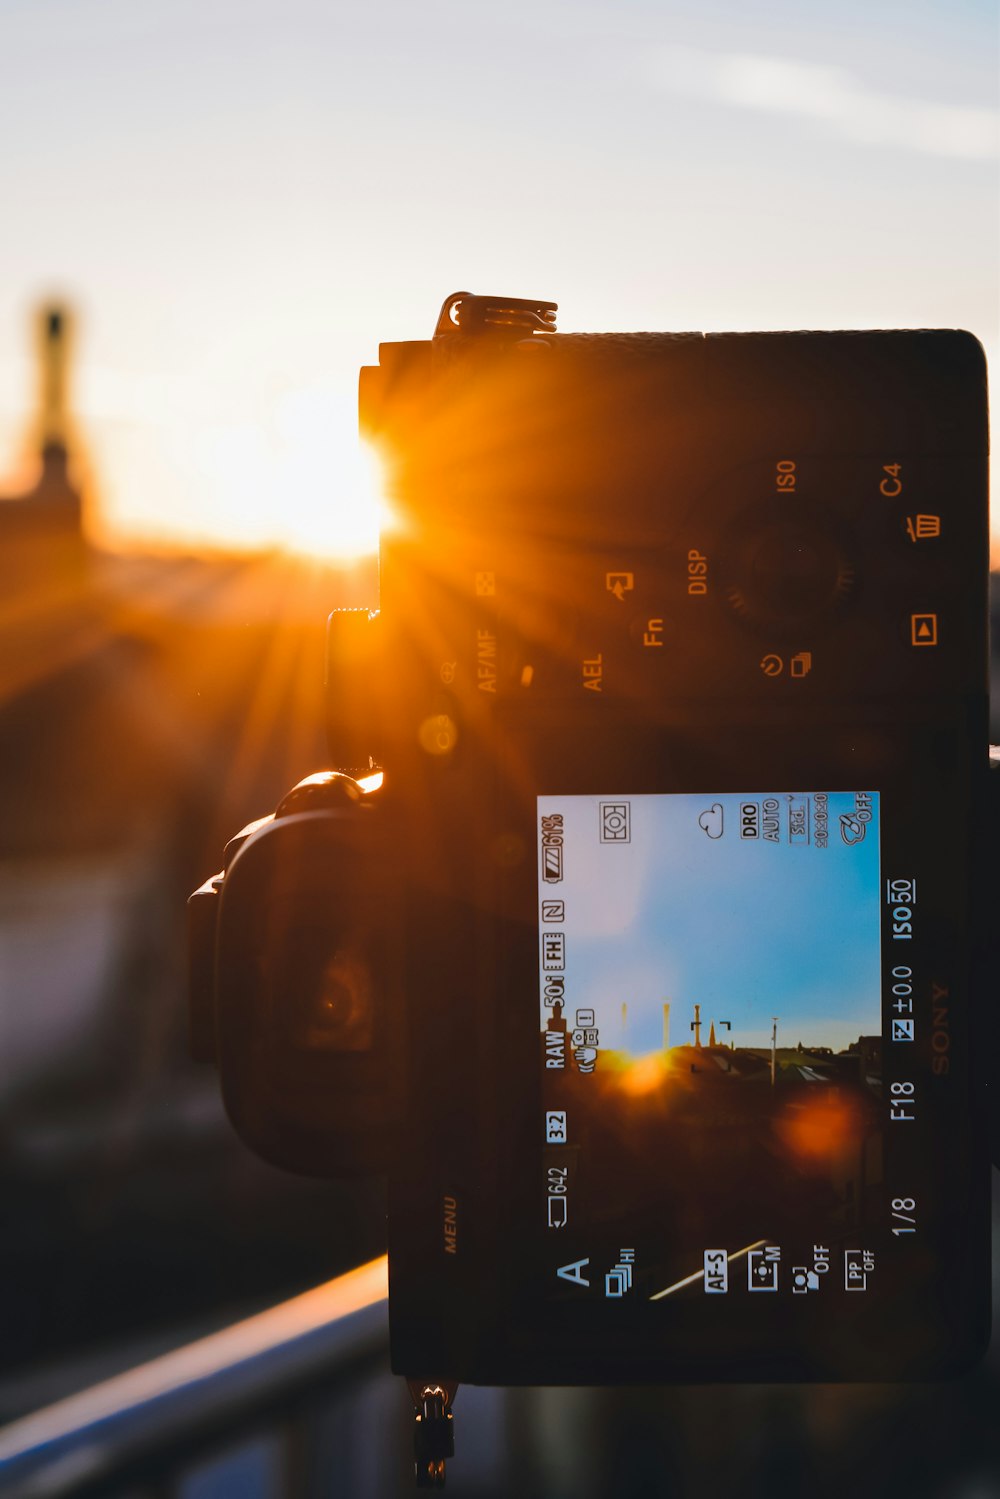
(54, 338)
(41, 534)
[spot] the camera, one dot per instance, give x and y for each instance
(641, 935)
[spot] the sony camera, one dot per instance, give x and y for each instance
(640, 936)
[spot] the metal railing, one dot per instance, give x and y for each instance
(145, 1432)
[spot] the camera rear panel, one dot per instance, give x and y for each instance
(684, 730)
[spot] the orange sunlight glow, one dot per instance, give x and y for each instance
(302, 481)
(821, 1129)
(644, 1076)
(179, 468)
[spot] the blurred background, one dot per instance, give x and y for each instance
(210, 214)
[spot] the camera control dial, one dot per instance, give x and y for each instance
(786, 573)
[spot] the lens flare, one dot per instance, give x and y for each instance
(821, 1129)
(644, 1076)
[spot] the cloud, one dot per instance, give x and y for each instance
(834, 98)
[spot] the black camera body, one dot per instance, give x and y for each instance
(641, 939)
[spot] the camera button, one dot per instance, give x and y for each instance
(924, 629)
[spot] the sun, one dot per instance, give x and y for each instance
(299, 479)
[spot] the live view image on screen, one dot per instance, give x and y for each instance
(710, 1017)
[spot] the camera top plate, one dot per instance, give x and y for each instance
(648, 519)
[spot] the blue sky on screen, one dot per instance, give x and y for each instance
(747, 928)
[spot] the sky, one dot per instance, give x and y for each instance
(242, 200)
(689, 911)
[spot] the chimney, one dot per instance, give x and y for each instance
(54, 347)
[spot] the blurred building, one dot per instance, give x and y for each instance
(41, 531)
(149, 706)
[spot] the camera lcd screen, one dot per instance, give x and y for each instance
(710, 976)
